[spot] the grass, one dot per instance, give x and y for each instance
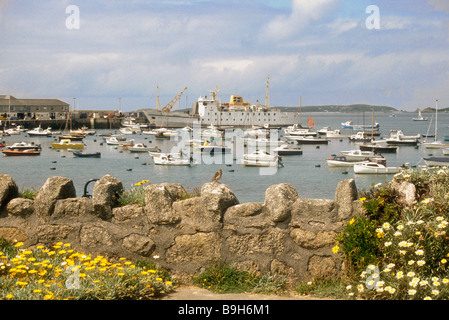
(222, 278)
(136, 195)
(60, 273)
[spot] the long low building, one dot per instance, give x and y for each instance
(13, 108)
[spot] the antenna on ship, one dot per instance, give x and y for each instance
(158, 104)
(267, 101)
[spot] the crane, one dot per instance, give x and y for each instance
(170, 105)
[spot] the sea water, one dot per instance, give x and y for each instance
(308, 172)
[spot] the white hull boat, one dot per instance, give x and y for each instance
(166, 159)
(375, 168)
(358, 155)
(341, 161)
(437, 161)
(140, 147)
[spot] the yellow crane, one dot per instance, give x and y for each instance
(170, 105)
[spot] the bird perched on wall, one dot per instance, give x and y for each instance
(217, 175)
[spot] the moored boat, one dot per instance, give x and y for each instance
(437, 161)
(341, 161)
(358, 155)
(27, 152)
(167, 159)
(79, 154)
(24, 146)
(66, 143)
(307, 139)
(375, 168)
(285, 150)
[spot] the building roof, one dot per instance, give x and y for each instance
(5, 101)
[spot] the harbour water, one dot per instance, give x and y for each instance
(308, 172)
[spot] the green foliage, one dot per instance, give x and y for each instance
(359, 243)
(411, 244)
(58, 272)
(28, 193)
(224, 279)
(325, 288)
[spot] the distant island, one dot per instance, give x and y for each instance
(340, 108)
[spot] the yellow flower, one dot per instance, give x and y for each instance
(37, 291)
(9, 296)
(120, 274)
(335, 249)
(352, 221)
(18, 244)
(362, 199)
(443, 261)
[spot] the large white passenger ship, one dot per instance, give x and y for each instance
(210, 111)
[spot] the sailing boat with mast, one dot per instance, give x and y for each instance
(375, 146)
(435, 144)
(420, 117)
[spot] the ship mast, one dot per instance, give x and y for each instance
(158, 104)
(267, 101)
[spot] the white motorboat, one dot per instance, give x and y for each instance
(435, 145)
(263, 143)
(375, 168)
(400, 141)
(255, 132)
(261, 158)
(211, 132)
(285, 150)
(39, 132)
(360, 136)
(324, 130)
(437, 161)
(260, 155)
(349, 124)
(127, 130)
(341, 161)
(398, 138)
(307, 139)
(336, 134)
(24, 146)
(400, 133)
(112, 141)
(295, 130)
(167, 159)
(358, 155)
(141, 147)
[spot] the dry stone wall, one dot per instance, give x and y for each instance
(284, 235)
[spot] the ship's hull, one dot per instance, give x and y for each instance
(222, 119)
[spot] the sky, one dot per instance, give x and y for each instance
(114, 54)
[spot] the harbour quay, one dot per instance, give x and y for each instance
(54, 113)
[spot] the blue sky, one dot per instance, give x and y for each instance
(321, 50)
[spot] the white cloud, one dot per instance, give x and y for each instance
(228, 65)
(440, 5)
(303, 13)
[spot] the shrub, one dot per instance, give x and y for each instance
(222, 278)
(412, 254)
(59, 272)
(135, 195)
(360, 243)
